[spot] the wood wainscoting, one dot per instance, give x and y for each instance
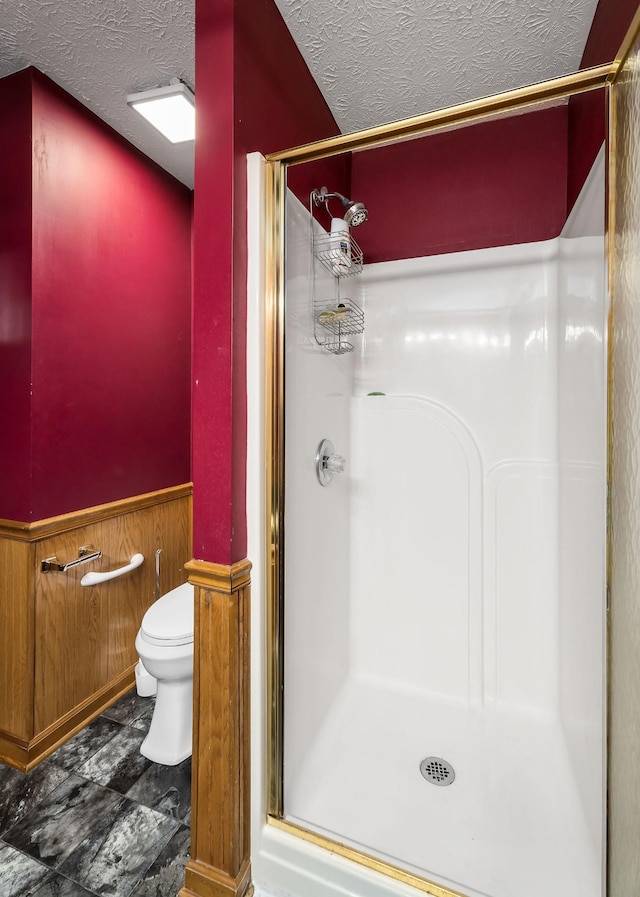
(67, 651)
(220, 863)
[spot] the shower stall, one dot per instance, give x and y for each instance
(441, 629)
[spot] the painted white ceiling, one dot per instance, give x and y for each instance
(374, 60)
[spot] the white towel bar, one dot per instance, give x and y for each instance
(94, 578)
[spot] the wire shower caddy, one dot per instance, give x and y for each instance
(335, 317)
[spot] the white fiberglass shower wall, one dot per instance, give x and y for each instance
(444, 596)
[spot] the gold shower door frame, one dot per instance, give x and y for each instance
(277, 163)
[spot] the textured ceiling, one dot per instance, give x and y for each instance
(374, 60)
(101, 50)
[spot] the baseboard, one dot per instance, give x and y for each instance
(25, 755)
(202, 880)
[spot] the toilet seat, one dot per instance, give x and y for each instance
(169, 621)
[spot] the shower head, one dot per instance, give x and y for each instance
(355, 212)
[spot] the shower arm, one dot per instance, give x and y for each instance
(354, 212)
(322, 196)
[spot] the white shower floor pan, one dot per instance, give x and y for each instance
(512, 824)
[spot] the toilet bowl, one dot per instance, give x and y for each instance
(165, 646)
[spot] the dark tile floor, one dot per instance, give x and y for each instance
(96, 817)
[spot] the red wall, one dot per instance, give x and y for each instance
(587, 111)
(254, 94)
(586, 134)
(110, 304)
(610, 24)
(15, 295)
(488, 184)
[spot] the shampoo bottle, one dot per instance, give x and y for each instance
(340, 246)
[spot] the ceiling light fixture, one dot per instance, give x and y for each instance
(170, 109)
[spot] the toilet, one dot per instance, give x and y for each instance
(165, 647)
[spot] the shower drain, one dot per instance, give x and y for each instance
(437, 771)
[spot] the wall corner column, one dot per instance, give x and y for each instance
(220, 860)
